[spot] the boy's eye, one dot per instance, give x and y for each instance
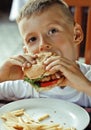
(53, 31)
(32, 39)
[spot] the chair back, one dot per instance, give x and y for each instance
(82, 15)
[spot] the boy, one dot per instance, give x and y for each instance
(48, 26)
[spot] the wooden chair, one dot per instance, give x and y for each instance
(79, 6)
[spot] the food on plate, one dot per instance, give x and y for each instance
(39, 77)
(43, 117)
(20, 120)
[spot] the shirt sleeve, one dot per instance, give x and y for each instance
(12, 90)
(86, 69)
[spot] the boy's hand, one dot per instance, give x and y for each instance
(13, 68)
(70, 70)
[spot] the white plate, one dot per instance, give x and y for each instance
(65, 113)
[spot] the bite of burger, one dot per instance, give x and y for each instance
(38, 77)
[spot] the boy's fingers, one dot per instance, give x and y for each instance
(24, 58)
(30, 59)
(52, 64)
(51, 59)
(15, 62)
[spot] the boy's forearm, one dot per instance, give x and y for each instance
(2, 78)
(3, 75)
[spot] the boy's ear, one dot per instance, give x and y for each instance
(25, 49)
(78, 34)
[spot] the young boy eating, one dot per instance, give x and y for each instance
(48, 26)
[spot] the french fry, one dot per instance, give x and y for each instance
(18, 112)
(20, 120)
(51, 126)
(43, 117)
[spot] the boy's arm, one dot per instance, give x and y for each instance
(72, 74)
(12, 69)
(75, 77)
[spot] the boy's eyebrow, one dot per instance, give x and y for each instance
(56, 23)
(27, 36)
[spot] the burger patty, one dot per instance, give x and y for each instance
(57, 75)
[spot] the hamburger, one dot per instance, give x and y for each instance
(38, 77)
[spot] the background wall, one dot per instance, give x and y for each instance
(5, 5)
(10, 39)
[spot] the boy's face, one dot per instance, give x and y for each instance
(48, 31)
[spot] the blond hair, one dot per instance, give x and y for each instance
(38, 6)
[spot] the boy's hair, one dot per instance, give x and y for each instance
(38, 6)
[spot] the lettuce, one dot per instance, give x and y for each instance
(34, 82)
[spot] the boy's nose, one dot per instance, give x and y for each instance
(44, 46)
